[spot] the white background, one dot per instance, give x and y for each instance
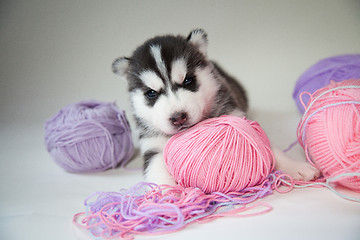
(53, 53)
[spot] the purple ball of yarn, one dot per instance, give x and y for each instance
(337, 68)
(89, 136)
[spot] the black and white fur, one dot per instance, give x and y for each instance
(173, 86)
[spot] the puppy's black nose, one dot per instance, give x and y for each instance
(179, 118)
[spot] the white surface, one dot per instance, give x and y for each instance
(53, 53)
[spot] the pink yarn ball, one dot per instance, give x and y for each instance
(330, 131)
(221, 154)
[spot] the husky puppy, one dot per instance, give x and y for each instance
(173, 86)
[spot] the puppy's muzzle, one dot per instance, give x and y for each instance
(179, 118)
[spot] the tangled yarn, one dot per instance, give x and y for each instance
(89, 136)
(150, 209)
(337, 68)
(221, 154)
(330, 132)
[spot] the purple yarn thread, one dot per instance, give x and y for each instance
(337, 68)
(127, 212)
(89, 136)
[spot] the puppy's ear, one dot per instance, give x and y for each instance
(120, 66)
(198, 37)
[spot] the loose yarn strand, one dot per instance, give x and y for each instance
(302, 99)
(320, 183)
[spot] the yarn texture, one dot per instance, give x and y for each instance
(150, 209)
(221, 154)
(89, 136)
(330, 132)
(337, 68)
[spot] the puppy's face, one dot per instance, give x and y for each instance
(171, 82)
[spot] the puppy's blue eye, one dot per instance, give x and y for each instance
(188, 80)
(151, 94)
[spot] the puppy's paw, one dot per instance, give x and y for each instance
(157, 173)
(161, 180)
(303, 171)
(298, 170)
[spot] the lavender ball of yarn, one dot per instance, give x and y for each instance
(337, 68)
(89, 136)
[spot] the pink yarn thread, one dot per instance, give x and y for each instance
(221, 154)
(329, 132)
(150, 209)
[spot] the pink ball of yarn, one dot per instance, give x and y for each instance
(221, 154)
(330, 132)
(89, 136)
